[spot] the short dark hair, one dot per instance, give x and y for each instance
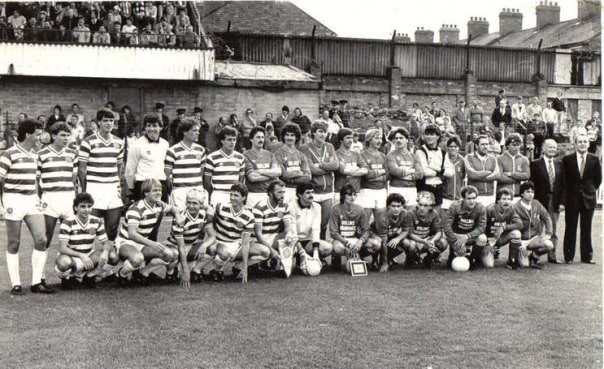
(186, 125)
(503, 191)
(242, 189)
(227, 132)
(273, 184)
(453, 140)
(432, 129)
(480, 137)
(400, 130)
(291, 128)
(58, 127)
(255, 130)
(104, 113)
(318, 126)
(345, 190)
(151, 119)
(285, 108)
(343, 132)
(395, 197)
(468, 190)
(303, 187)
(28, 126)
(528, 185)
(83, 198)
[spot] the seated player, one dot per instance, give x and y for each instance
(387, 229)
(464, 227)
(503, 226)
(77, 253)
(234, 225)
(188, 238)
(349, 228)
(534, 218)
(273, 220)
(133, 243)
(424, 229)
(306, 214)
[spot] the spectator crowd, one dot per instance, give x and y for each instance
(160, 24)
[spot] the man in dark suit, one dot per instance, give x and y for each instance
(502, 113)
(546, 174)
(582, 175)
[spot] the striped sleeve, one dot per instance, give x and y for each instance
(258, 215)
(76, 163)
(242, 168)
(84, 152)
(177, 230)
(5, 163)
(100, 231)
(170, 158)
(209, 166)
(120, 156)
(65, 230)
(133, 216)
(249, 226)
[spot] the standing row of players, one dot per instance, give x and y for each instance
(243, 217)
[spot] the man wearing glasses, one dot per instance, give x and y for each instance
(514, 167)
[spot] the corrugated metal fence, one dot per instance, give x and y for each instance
(364, 57)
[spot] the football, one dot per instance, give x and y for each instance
(460, 264)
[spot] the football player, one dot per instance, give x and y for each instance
(503, 226)
(465, 224)
(261, 168)
(534, 219)
(234, 225)
(191, 238)
(20, 201)
(373, 185)
(78, 255)
(513, 166)
(349, 228)
(387, 229)
(352, 165)
(424, 228)
(294, 164)
(404, 168)
(134, 247)
(482, 170)
(224, 168)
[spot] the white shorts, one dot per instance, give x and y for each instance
(220, 197)
(255, 197)
(78, 262)
(486, 200)
(231, 248)
(290, 195)
(320, 197)
(17, 206)
(336, 199)
(409, 193)
(107, 196)
(119, 242)
(373, 199)
(178, 197)
(58, 204)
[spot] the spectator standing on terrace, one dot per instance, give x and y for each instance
(31, 31)
(476, 114)
(303, 123)
(550, 117)
(129, 31)
(519, 116)
(190, 38)
(559, 106)
(534, 108)
(94, 23)
(70, 20)
(57, 116)
(148, 37)
(183, 18)
(282, 120)
(461, 118)
(17, 21)
(502, 113)
(500, 96)
(150, 13)
(81, 34)
(75, 111)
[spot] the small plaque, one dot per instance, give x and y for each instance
(358, 268)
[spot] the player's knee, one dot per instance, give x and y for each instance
(515, 234)
(222, 253)
(481, 240)
(441, 244)
(64, 263)
(548, 244)
(113, 258)
(325, 248)
(172, 255)
(40, 241)
(211, 250)
(373, 245)
(13, 246)
(265, 252)
(137, 260)
(410, 246)
(338, 248)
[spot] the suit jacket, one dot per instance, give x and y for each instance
(497, 117)
(579, 190)
(543, 189)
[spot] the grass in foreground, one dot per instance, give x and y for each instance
(416, 319)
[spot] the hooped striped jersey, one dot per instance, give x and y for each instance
(103, 158)
(19, 169)
(224, 170)
(144, 216)
(230, 226)
(192, 229)
(57, 169)
(271, 218)
(80, 236)
(186, 164)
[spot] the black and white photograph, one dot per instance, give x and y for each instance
(301, 184)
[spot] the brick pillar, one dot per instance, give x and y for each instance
(541, 91)
(394, 99)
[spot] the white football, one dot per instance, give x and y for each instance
(460, 264)
(313, 267)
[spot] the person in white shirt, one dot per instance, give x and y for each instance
(146, 159)
(550, 117)
(75, 110)
(519, 116)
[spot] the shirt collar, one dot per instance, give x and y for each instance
(302, 206)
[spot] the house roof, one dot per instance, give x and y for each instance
(574, 33)
(273, 17)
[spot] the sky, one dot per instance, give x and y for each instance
(379, 18)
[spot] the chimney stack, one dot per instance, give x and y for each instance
(548, 12)
(478, 26)
(510, 20)
(424, 35)
(402, 38)
(449, 33)
(588, 8)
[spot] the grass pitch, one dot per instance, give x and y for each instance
(404, 319)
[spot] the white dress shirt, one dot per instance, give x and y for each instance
(146, 160)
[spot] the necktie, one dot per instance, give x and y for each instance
(582, 166)
(552, 174)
